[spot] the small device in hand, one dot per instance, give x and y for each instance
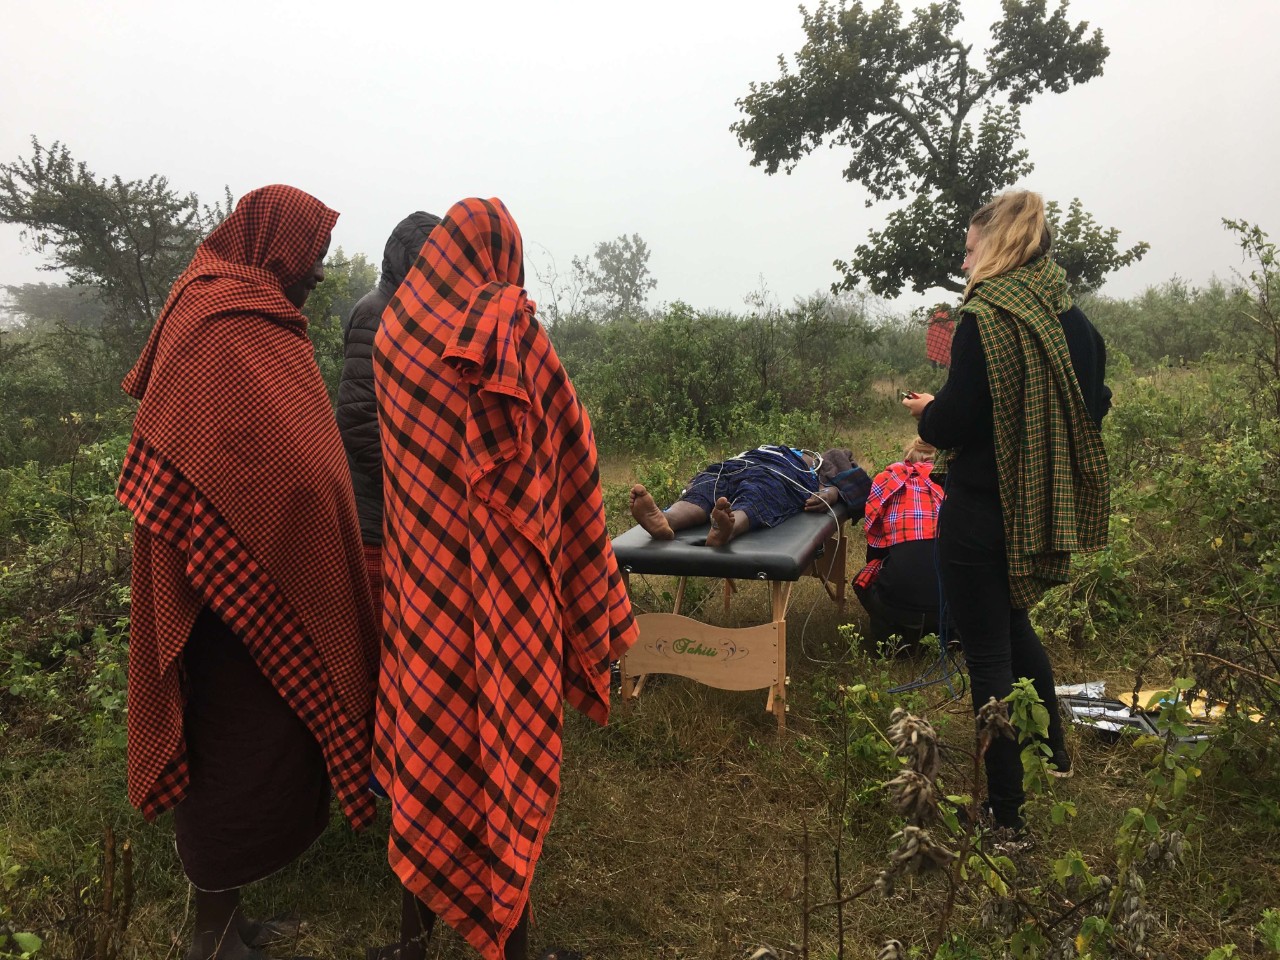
(907, 394)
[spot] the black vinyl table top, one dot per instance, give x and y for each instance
(783, 552)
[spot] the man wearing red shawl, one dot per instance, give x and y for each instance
(502, 596)
(253, 641)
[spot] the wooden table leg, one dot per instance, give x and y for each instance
(781, 596)
(628, 690)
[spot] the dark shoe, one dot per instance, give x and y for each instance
(393, 951)
(273, 932)
(1060, 763)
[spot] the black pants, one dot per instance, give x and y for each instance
(903, 599)
(999, 643)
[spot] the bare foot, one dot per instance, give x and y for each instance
(721, 524)
(648, 515)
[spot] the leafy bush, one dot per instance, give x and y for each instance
(63, 550)
(1171, 324)
(727, 378)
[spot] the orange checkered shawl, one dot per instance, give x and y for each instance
(242, 501)
(502, 596)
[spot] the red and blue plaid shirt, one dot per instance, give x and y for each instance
(903, 505)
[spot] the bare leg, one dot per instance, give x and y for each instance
(518, 942)
(726, 523)
(416, 924)
(218, 919)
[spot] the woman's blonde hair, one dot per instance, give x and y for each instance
(1013, 231)
(917, 451)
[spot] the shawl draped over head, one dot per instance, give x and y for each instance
(502, 598)
(239, 487)
(1054, 483)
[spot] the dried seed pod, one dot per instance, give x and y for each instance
(913, 796)
(884, 884)
(993, 719)
(917, 741)
(917, 850)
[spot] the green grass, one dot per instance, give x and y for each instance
(681, 827)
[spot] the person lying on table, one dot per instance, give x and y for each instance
(757, 488)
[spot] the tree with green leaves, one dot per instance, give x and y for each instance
(616, 278)
(47, 307)
(346, 280)
(128, 239)
(927, 119)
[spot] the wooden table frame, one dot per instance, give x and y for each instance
(730, 658)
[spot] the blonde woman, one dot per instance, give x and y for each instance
(1027, 477)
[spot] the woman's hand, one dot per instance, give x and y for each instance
(916, 403)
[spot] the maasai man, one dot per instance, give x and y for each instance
(253, 643)
(502, 596)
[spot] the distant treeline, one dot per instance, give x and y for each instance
(643, 374)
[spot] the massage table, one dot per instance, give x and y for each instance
(731, 658)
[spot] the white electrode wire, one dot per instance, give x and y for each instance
(746, 464)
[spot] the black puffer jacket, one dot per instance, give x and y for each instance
(357, 407)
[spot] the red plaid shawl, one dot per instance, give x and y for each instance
(903, 505)
(239, 488)
(502, 597)
(937, 339)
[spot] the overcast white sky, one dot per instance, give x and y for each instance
(593, 119)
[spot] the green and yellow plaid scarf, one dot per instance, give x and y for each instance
(1054, 483)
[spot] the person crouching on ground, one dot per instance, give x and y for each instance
(898, 587)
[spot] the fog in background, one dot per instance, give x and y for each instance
(592, 120)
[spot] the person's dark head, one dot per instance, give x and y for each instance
(403, 247)
(281, 230)
(1004, 234)
(298, 291)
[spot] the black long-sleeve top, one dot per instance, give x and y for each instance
(959, 418)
